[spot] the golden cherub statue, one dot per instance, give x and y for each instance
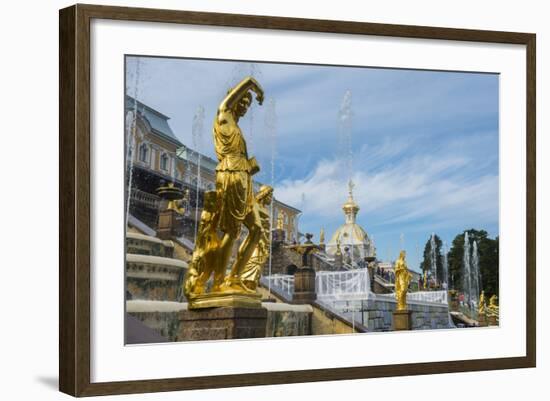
(235, 207)
(280, 220)
(481, 306)
(402, 281)
(493, 307)
(338, 248)
(253, 269)
(204, 261)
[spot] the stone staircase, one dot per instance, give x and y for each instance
(152, 273)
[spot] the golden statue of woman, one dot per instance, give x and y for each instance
(235, 205)
(250, 276)
(234, 180)
(402, 281)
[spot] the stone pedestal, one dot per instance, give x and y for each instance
(338, 261)
(370, 269)
(167, 225)
(453, 301)
(278, 235)
(492, 320)
(222, 323)
(304, 286)
(482, 320)
(402, 320)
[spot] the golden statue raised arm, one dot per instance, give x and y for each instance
(235, 206)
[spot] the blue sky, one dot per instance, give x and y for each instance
(424, 144)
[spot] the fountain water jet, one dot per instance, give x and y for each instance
(476, 278)
(433, 257)
(445, 278)
(467, 276)
(345, 129)
(271, 131)
(197, 133)
(131, 131)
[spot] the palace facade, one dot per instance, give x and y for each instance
(156, 156)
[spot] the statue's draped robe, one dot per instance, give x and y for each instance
(233, 180)
(253, 269)
(402, 280)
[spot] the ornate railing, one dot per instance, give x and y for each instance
(282, 283)
(144, 199)
(350, 284)
(428, 296)
(431, 297)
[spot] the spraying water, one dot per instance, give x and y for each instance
(131, 130)
(197, 133)
(445, 278)
(240, 71)
(467, 279)
(433, 257)
(345, 128)
(475, 273)
(271, 131)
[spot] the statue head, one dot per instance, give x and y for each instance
(264, 195)
(402, 255)
(243, 104)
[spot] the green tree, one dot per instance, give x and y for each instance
(488, 261)
(426, 263)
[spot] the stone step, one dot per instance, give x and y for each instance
(142, 244)
(151, 277)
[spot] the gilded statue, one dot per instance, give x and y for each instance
(322, 236)
(235, 206)
(204, 261)
(338, 249)
(402, 281)
(481, 306)
(493, 306)
(280, 220)
(251, 274)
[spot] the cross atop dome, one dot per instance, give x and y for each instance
(351, 185)
(350, 235)
(350, 208)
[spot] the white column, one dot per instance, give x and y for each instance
(153, 158)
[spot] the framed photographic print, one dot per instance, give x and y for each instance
(251, 200)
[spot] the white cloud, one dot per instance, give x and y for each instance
(432, 187)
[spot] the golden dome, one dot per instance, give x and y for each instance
(350, 234)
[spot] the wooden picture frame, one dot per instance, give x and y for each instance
(74, 199)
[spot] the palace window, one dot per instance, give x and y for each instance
(143, 153)
(164, 162)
